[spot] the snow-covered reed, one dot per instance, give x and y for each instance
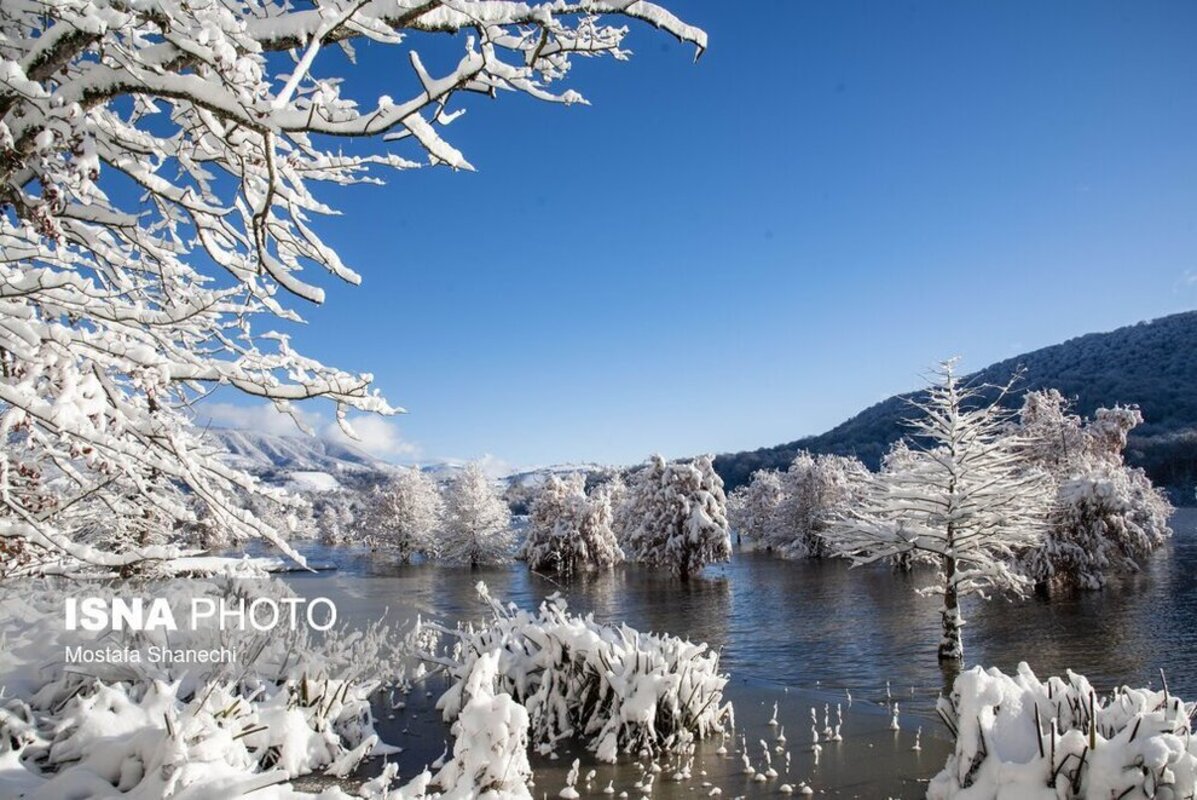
(490, 748)
(1017, 736)
(615, 688)
(288, 707)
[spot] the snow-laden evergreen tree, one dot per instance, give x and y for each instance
(788, 512)
(677, 516)
(519, 496)
(815, 490)
(969, 496)
(404, 515)
(477, 523)
(159, 168)
(569, 531)
(340, 515)
(752, 509)
(1107, 517)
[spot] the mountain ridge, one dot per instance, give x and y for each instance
(1151, 364)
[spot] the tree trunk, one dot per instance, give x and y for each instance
(951, 647)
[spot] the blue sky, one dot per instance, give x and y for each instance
(742, 251)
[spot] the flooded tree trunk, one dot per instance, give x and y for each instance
(951, 647)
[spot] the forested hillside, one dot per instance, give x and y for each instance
(1151, 364)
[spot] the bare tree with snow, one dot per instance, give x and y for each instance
(677, 516)
(477, 526)
(969, 497)
(404, 515)
(1107, 517)
(158, 172)
(568, 531)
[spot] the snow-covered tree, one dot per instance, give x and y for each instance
(337, 515)
(752, 508)
(159, 164)
(969, 497)
(568, 531)
(519, 496)
(613, 487)
(1107, 516)
(477, 524)
(404, 515)
(677, 516)
(899, 458)
(788, 512)
(815, 491)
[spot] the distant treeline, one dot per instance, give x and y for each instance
(1152, 365)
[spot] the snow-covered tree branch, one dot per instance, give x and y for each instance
(159, 163)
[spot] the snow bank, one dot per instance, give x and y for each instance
(617, 689)
(1018, 738)
(311, 481)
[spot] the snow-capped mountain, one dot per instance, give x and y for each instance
(314, 464)
(278, 458)
(535, 476)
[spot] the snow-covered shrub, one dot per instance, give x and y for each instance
(404, 515)
(970, 499)
(490, 746)
(568, 531)
(615, 688)
(1019, 737)
(1107, 516)
(477, 526)
(676, 515)
(290, 705)
(1105, 521)
(338, 515)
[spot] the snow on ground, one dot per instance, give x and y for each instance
(1019, 737)
(311, 481)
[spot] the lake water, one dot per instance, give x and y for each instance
(824, 625)
(801, 635)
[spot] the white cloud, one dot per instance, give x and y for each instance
(492, 465)
(378, 436)
(260, 418)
